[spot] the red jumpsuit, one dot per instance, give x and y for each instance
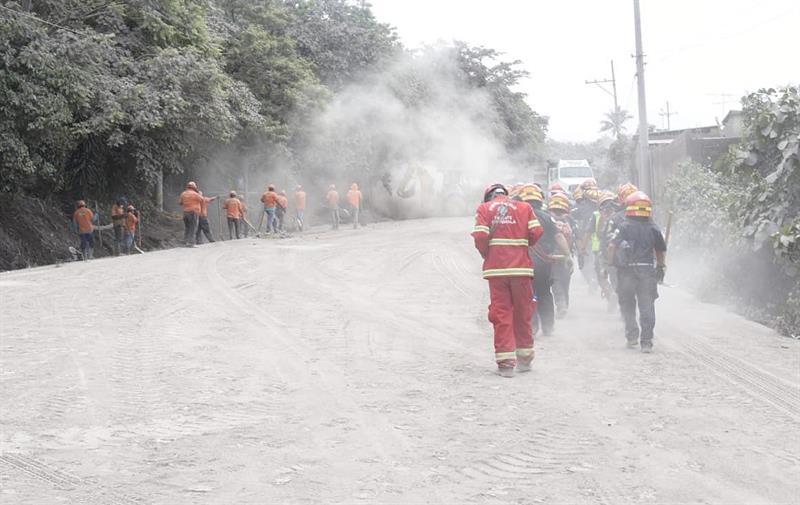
(504, 229)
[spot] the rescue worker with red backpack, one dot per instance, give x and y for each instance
(638, 250)
(503, 231)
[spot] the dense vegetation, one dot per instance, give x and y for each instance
(99, 97)
(742, 216)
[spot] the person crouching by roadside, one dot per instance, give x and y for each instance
(233, 209)
(131, 220)
(83, 217)
(191, 202)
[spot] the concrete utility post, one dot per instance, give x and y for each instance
(644, 138)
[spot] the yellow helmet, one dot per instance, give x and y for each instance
(530, 192)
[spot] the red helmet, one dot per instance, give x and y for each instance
(556, 187)
(191, 185)
(490, 191)
(638, 204)
(625, 190)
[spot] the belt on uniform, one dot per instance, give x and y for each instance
(639, 265)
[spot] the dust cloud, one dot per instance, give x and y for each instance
(415, 136)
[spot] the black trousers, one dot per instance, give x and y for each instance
(190, 227)
(233, 224)
(637, 286)
(542, 289)
(204, 229)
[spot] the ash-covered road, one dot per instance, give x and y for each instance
(357, 367)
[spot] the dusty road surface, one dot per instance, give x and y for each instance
(357, 368)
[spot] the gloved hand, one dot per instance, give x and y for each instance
(660, 270)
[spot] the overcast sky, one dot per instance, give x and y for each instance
(696, 51)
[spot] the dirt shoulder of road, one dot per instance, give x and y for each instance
(36, 232)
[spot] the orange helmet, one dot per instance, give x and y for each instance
(514, 190)
(592, 194)
(191, 185)
(559, 201)
(489, 192)
(577, 194)
(638, 204)
(605, 197)
(625, 190)
(589, 183)
(531, 193)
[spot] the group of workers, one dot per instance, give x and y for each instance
(124, 221)
(528, 240)
(276, 207)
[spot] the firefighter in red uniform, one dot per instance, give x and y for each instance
(503, 231)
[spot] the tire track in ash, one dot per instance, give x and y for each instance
(291, 360)
(556, 450)
(776, 393)
(64, 481)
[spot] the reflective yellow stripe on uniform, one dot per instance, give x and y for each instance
(508, 272)
(523, 242)
(533, 223)
(480, 229)
(525, 352)
(500, 356)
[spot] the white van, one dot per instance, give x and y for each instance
(571, 173)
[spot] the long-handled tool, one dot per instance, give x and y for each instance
(219, 219)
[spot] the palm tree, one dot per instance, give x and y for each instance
(615, 121)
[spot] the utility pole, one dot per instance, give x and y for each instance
(667, 114)
(724, 99)
(612, 81)
(644, 137)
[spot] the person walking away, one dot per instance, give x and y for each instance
(543, 253)
(270, 201)
(131, 220)
(503, 230)
(191, 202)
(638, 251)
(203, 228)
(83, 217)
(280, 210)
(562, 270)
(300, 206)
(118, 216)
(354, 200)
(233, 211)
(582, 214)
(333, 205)
(606, 273)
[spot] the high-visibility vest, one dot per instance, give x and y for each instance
(596, 233)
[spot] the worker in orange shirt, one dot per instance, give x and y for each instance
(333, 205)
(131, 220)
(202, 221)
(299, 206)
(354, 199)
(270, 201)
(83, 218)
(233, 209)
(281, 208)
(118, 221)
(191, 202)
(243, 222)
